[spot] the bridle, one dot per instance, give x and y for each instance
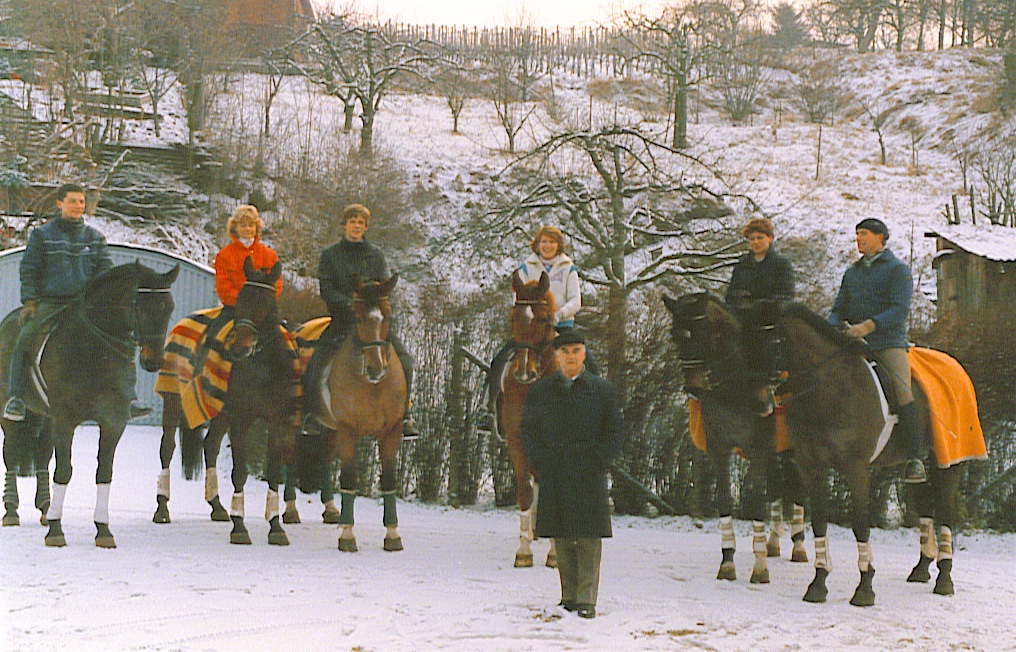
(123, 347)
(539, 348)
(383, 346)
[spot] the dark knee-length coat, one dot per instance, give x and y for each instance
(571, 432)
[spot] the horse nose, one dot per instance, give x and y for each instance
(375, 377)
(151, 358)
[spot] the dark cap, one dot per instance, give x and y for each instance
(874, 225)
(570, 336)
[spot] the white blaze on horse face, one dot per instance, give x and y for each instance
(527, 315)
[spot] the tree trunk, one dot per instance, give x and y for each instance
(462, 484)
(349, 111)
(681, 113)
(367, 133)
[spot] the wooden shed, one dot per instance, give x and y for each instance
(975, 268)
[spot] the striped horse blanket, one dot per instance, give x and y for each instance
(196, 366)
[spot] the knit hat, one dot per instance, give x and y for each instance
(874, 225)
(569, 336)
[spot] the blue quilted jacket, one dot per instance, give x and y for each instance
(881, 292)
(61, 257)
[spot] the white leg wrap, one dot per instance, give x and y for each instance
(776, 518)
(55, 512)
(347, 532)
(211, 483)
(391, 531)
(236, 505)
(945, 549)
(102, 503)
(271, 505)
(822, 557)
(526, 524)
(758, 537)
(727, 539)
(929, 548)
(864, 556)
(797, 525)
(162, 486)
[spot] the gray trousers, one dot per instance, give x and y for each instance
(898, 364)
(578, 564)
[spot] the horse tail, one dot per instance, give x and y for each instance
(191, 450)
(310, 462)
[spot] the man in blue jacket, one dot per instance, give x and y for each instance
(61, 257)
(874, 304)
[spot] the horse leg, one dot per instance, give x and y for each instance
(388, 450)
(946, 482)
(291, 515)
(276, 434)
(524, 496)
(818, 491)
(793, 491)
(725, 505)
(347, 489)
(239, 534)
(921, 499)
(552, 553)
(10, 478)
(331, 513)
(109, 437)
(858, 480)
(212, 445)
(62, 436)
(171, 413)
(759, 546)
(43, 453)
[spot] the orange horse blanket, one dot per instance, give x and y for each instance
(956, 429)
(697, 427)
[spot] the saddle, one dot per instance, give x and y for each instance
(44, 329)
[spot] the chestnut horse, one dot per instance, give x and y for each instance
(718, 370)
(366, 396)
(86, 372)
(532, 326)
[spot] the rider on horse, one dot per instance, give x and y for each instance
(874, 303)
(62, 256)
(244, 229)
(352, 258)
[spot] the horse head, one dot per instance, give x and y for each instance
(532, 325)
(372, 312)
(256, 310)
(152, 312)
(708, 339)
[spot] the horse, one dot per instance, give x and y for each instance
(718, 372)
(261, 385)
(835, 419)
(532, 327)
(364, 394)
(28, 449)
(86, 372)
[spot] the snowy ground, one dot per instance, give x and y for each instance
(182, 586)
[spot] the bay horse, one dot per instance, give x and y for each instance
(261, 385)
(366, 397)
(532, 328)
(87, 373)
(835, 418)
(719, 370)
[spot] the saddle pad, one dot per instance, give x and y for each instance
(306, 337)
(956, 429)
(697, 427)
(187, 347)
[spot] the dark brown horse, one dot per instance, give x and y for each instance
(87, 373)
(720, 371)
(834, 420)
(532, 327)
(261, 385)
(366, 398)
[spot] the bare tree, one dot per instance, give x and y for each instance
(816, 92)
(505, 94)
(858, 19)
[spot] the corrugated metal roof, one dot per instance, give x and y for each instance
(194, 289)
(989, 241)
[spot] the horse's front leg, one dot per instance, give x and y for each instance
(524, 496)
(12, 434)
(239, 534)
(720, 459)
(946, 483)
(388, 451)
(819, 493)
(63, 434)
(172, 411)
(920, 499)
(274, 467)
(346, 444)
(858, 479)
(109, 437)
(211, 446)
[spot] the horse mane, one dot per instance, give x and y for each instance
(821, 326)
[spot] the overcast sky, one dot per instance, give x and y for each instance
(494, 12)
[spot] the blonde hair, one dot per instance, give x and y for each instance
(245, 213)
(354, 210)
(551, 232)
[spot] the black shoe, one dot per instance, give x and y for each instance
(914, 472)
(485, 422)
(587, 611)
(138, 410)
(568, 606)
(15, 409)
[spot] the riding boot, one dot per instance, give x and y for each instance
(914, 472)
(485, 422)
(14, 409)
(409, 429)
(312, 378)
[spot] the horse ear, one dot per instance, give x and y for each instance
(670, 302)
(544, 283)
(516, 282)
(248, 267)
(274, 273)
(170, 277)
(388, 285)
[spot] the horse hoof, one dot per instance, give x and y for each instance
(161, 514)
(863, 598)
(219, 513)
(799, 554)
(278, 539)
(393, 545)
(760, 576)
(43, 520)
(728, 571)
(920, 573)
(330, 516)
(816, 594)
(11, 519)
(523, 560)
(56, 541)
(291, 517)
(240, 538)
(105, 542)
(551, 561)
(944, 586)
(347, 544)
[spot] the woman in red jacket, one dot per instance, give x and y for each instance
(245, 229)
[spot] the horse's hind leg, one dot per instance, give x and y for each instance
(331, 513)
(291, 516)
(725, 505)
(109, 437)
(276, 434)
(920, 498)
(525, 496)
(212, 445)
(172, 411)
(786, 478)
(347, 489)
(945, 482)
(239, 534)
(552, 553)
(43, 453)
(10, 477)
(858, 481)
(388, 449)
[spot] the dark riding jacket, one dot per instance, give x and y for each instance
(571, 434)
(882, 292)
(752, 280)
(61, 257)
(341, 264)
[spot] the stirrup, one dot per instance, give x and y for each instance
(409, 429)
(914, 472)
(138, 410)
(15, 409)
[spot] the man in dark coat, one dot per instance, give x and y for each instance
(571, 432)
(874, 304)
(350, 259)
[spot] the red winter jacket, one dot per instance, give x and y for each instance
(229, 276)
